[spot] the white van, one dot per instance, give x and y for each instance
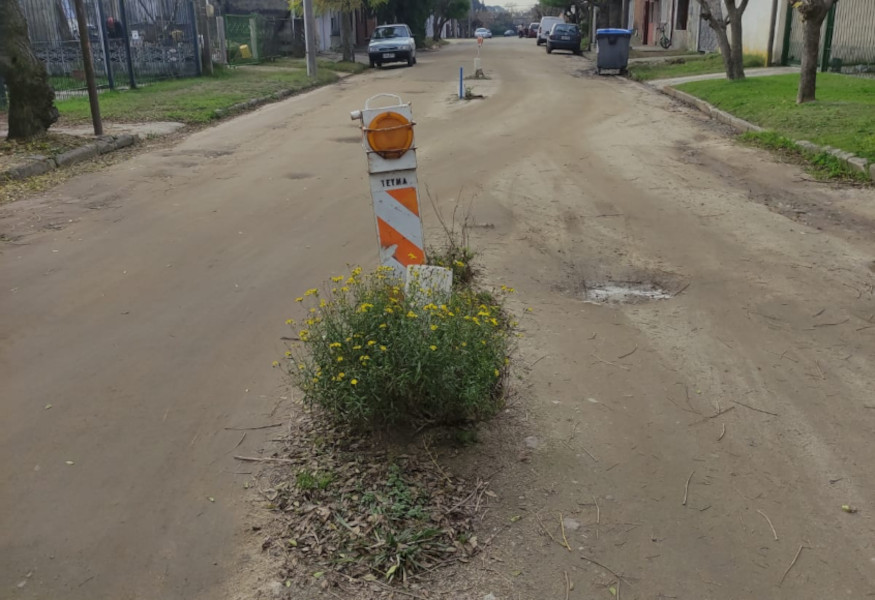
(545, 27)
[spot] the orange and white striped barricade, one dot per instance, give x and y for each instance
(387, 137)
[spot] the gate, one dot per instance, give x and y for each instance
(847, 38)
(131, 43)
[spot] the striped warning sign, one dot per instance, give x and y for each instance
(399, 225)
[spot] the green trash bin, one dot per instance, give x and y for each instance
(613, 49)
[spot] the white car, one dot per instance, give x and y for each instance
(392, 43)
(546, 26)
(482, 32)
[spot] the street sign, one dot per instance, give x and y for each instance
(388, 140)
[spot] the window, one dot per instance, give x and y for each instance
(682, 14)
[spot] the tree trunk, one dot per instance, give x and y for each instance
(811, 24)
(439, 24)
(31, 99)
(736, 51)
(346, 36)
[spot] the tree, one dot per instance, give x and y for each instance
(412, 12)
(31, 99)
(448, 10)
(813, 12)
(731, 46)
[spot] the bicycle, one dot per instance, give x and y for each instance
(664, 40)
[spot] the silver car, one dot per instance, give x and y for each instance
(392, 43)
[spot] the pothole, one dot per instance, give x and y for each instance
(624, 292)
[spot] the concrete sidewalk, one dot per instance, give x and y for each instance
(761, 72)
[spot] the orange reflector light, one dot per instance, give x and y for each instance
(390, 135)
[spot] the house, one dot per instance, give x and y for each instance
(771, 29)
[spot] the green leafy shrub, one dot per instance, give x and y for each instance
(372, 357)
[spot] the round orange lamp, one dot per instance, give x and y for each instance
(390, 135)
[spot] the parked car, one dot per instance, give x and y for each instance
(564, 36)
(545, 26)
(509, 33)
(532, 30)
(392, 43)
(482, 32)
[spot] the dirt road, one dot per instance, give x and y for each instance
(142, 307)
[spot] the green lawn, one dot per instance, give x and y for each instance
(321, 63)
(842, 117)
(685, 66)
(192, 100)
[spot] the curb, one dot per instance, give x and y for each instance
(852, 161)
(38, 164)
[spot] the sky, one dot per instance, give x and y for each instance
(521, 5)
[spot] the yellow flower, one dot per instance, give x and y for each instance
(301, 367)
(383, 326)
(304, 334)
(340, 376)
(290, 321)
(334, 345)
(358, 271)
(411, 315)
(371, 343)
(288, 354)
(315, 380)
(339, 359)
(312, 310)
(434, 327)
(476, 320)
(383, 348)
(529, 309)
(389, 310)
(464, 344)
(275, 363)
(323, 303)
(344, 289)
(496, 372)
(356, 347)
(299, 299)
(494, 321)
(310, 322)
(349, 339)
(433, 347)
(354, 381)
(458, 263)
(312, 292)
(337, 279)
(364, 358)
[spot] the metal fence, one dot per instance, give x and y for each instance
(847, 39)
(133, 42)
(256, 38)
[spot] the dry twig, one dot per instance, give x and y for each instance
(622, 356)
(253, 428)
(687, 488)
(598, 516)
(769, 521)
(608, 569)
(754, 408)
(795, 558)
(607, 362)
(722, 433)
(567, 585)
(268, 459)
(562, 528)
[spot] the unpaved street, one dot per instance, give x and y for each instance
(141, 307)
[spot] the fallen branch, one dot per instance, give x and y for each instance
(769, 521)
(687, 488)
(754, 408)
(832, 324)
(795, 558)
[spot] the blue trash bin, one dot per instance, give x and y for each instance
(613, 49)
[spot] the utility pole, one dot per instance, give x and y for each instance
(88, 64)
(309, 37)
